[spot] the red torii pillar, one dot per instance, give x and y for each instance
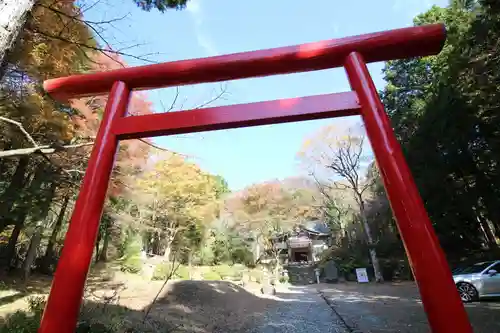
(445, 311)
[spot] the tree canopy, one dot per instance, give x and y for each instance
(45, 145)
(161, 5)
(442, 108)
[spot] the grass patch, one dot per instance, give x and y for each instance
(257, 276)
(25, 321)
(182, 272)
(163, 271)
(225, 271)
(94, 318)
(131, 265)
(211, 276)
(230, 272)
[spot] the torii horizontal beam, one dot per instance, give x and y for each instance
(378, 46)
(239, 115)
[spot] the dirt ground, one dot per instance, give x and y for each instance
(182, 306)
(121, 301)
(396, 307)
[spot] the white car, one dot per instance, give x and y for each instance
(477, 281)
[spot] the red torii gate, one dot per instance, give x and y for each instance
(445, 311)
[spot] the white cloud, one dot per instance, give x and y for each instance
(335, 28)
(195, 8)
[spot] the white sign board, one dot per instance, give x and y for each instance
(362, 275)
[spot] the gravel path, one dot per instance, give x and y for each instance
(396, 308)
(299, 310)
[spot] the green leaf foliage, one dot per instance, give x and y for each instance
(445, 111)
(161, 5)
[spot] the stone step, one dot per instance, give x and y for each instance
(301, 274)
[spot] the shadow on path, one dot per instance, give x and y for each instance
(197, 306)
(396, 307)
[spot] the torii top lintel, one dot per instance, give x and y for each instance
(379, 46)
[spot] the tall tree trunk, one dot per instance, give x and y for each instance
(12, 192)
(485, 226)
(491, 205)
(14, 237)
(169, 237)
(483, 222)
(168, 250)
(369, 239)
(489, 197)
(156, 243)
(190, 264)
(97, 243)
(49, 252)
(10, 250)
(277, 266)
(31, 254)
(41, 217)
(13, 15)
(22, 210)
(103, 256)
(4, 163)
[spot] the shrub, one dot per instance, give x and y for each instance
(283, 279)
(36, 304)
(225, 271)
(103, 318)
(162, 271)
(346, 260)
(130, 245)
(205, 257)
(25, 321)
(211, 276)
(20, 322)
(182, 272)
(242, 255)
(110, 318)
(94, 318)
(130, 252)
(131, 265)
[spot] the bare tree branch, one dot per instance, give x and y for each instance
(91, 25)
(174, 101)
(90, 47)
(21, 128)
(84, 8)
(74, 171)
(45, 149)
(164, 149)
(168, 278)
(51, 149)
(222, 92)
(346, 161)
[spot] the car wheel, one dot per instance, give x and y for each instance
(468, 293)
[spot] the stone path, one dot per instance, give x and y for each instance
(299, 310)
(396, 308)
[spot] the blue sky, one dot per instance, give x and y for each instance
(212, 27)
